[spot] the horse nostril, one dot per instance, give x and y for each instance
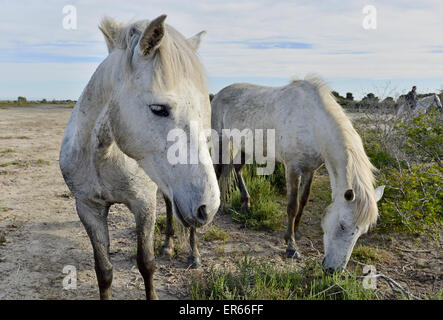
(202, 214)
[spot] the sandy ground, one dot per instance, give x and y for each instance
(43, 233)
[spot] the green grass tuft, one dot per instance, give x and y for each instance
(214, 234)
(7, 151)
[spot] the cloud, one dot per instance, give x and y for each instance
(252, 39)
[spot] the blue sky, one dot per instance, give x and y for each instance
(259, 41)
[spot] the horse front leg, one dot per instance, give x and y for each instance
(292, 184)
(168, 246)
(145, 224)
(94, 219)
(306, 182)
(194, 259)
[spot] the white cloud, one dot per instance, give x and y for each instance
(402, 46)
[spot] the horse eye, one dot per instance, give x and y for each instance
(342, 227)
(159, 110)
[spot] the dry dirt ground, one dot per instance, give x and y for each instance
(41, 232)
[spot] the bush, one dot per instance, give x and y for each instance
(408, 156)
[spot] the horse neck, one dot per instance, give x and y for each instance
(336, 162)
(342, 152)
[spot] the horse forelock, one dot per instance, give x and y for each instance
(174, 61)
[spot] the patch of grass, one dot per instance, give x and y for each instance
(4, 209)
(251, 279)
(7, 151)
(160, 224)
(11, 137)
(434, 296)
(366, 254)
(19, 163)
(266, 212)
(2, 239)
(220, 250)
(214, 234)
(43, 162)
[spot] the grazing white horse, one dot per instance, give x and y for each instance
(310, 129)
(422, 106)
(115, 145)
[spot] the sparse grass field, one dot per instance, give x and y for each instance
(243, 256)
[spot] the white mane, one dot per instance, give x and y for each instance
(359, 169)
(174, 61)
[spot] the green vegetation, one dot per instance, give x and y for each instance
(18, 163)
(43, 162)
(23, 102)
(7, 151)
(214, 234)
(408, 154)
(366, 254)
(252, 279)
(266, 212)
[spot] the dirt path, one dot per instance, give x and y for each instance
(43, 233)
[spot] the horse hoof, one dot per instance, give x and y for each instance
(167, 251)
(292, 254)
(194, 262)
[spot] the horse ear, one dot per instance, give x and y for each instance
(109, 42)
(152, 36)
(109, 27)
(379, 193)
(195, 41)
(349, 195)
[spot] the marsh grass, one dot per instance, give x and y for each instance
(251, 280)
(215, 234)
(267, 200)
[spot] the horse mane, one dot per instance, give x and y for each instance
(360, 171)
(174, 61)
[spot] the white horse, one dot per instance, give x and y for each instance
(422, 106)
(115, 145)
(310, 129)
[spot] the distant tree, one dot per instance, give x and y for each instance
(44, 101)
(349, 96)
(371, 98)
(21, 100)
(211, 96)
(337, 95)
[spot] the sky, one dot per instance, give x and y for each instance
(259, 41)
